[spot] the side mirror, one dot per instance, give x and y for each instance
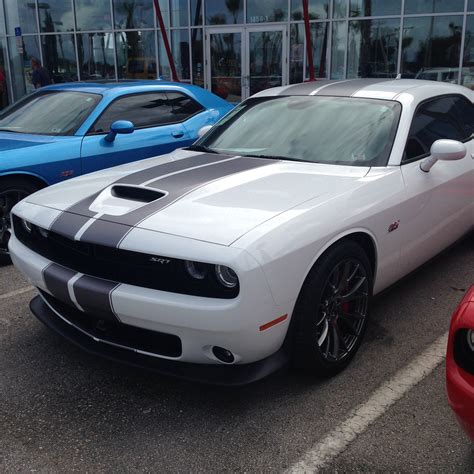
(204, 130)
(120, 126)
(444, 150)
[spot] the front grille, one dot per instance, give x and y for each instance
(123, 266)
(132, 337)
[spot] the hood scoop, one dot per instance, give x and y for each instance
(119, 199)
(136, 193)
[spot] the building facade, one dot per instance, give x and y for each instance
(235, 47)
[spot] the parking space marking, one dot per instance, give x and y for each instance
(364, 415)
(17, 292)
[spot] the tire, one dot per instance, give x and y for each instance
(12, 190)
(331, 316)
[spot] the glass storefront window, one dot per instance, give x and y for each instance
(339, 8)
(468, 58)
(431, 47)
(21, 13)
(93, 15)
(55, 16)
(20, 64)
(374, 7)
(59, 53)
(319, 39)
(470, 5)
(433, 6)
(261, 11)
(165, 12)
(165, 70)
(339, 43)
(197, 55)
(317, 9)
(96, 56)
(136, 58)
(222, 13)
(373, 48)
(4, 101)
(196, 12)
(179, 13)
(180, 51)
(130, 14)
(297, 52)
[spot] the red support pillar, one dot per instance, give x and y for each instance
(165, 41)
(309, 43)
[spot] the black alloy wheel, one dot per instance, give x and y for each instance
(332, 310)
(11, 192)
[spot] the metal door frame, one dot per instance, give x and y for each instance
(245, 51)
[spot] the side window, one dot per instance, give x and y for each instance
(446, 117)
(183, 106)
(148, 110)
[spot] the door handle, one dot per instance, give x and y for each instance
(177, 134)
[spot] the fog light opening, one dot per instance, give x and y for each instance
(223, 355)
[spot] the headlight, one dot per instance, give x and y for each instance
(226, 276)
(28, 226)
(196, 270)
(470, 339)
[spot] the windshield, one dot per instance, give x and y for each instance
(49, 113)
(334, 130)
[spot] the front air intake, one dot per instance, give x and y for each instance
(136, 193)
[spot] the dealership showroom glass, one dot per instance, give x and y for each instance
(234, 48)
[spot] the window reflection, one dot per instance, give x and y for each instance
(261, 11)
(93, 15)
(196, 12)
(180, 50)
(179, 13)
(374, 7)
(96, 56)
(297, 52)
(470, 5)
(55, 16)
(317, 9)
(222, 13)
(130, 14)
(136, 57)
(339, 42)
(20, 64)
(339, 8)
(59, 53)
(373, 48)
(431, 47)
(197, 53)
(165, 70)
(21, 13)
(433, 6)
(468, 58)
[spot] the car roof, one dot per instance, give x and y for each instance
(115, 87)
(387, 89)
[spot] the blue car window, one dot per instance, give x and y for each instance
(148, 110)
(49, 113)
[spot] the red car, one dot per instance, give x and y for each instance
(460, 363)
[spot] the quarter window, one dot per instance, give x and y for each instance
(449, 117)
(148, 110)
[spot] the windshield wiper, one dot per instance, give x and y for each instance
(203, 148)
(9, 130)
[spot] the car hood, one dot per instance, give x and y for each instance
(12, 141)
(208, 197)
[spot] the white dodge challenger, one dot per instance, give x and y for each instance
(261, 244)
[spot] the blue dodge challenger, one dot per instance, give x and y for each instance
(67, 130)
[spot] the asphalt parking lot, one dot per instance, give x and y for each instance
(63, 410)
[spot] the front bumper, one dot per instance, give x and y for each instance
(207, 373)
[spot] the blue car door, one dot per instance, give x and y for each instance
(157, 119)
